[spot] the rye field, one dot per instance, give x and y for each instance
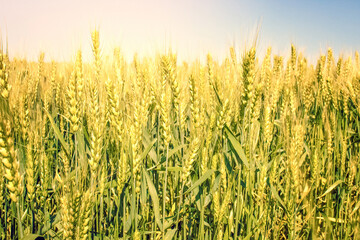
(236, 148)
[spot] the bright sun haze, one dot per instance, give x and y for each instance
(191, 28)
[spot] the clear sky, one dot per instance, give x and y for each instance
(192, 28)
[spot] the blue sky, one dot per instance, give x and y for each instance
(192, 28)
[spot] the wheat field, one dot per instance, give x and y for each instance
(240, 148)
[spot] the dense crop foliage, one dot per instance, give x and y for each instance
(244, 148)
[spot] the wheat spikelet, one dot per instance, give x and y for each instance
(165, 119)
(112, 114)
(352, 173)
(73, 104)
(301, 69)
(58, 94)
(345, 100)
(168, 66)
(214, 164)
(256, 104)
(79, 75)
(248, 75)
(293, 58)
(262, 184)
(40, 73)
(277, 68)
(220, 234)
(329, 78)
(45, 176)
(96, 129)
(296, 149)
(122, 171)
(137, 235)
(216, 201)
(223, 173)
(193, 154)
(233, 55)
(135, 137)
(2, 188)
(212, 125)
(222, 115)
(96, 52)
(95, 156)
(344, 148)
(194, 103)
(53, 77)
(67, 218)
(210, 67)
(224, 204)
(102, 180)
(183, 115)
(308, 95)
(30, 171)
(85, 217)
(204, 161)
(8, 158)
(47, 99)
(265, 74)
(268, 125)
(24, 118)
(293, 102)
(4, 78)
